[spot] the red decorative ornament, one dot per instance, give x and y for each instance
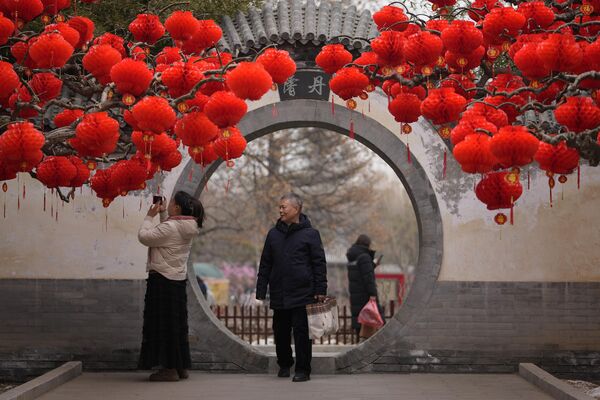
(50, 50)
(99, 61)
(67, 117)
(154, 114)
(468, 125)
(103, 185)
(56, 171)
(390, 17)
(180, 78)
(462, 37)
(23, 96)
(460, 83)
(83, 172)
(558, 158)
(499, 190)
(406, 108)
(182, 25)
(333, 57)
(146, 28)
(465, 62)
(389, 47)
(195, 129)
(9, 81)
(85, 27)
(21, 146)
(203, 155)
(474, 155)
(578, 114)
(230, 144)
(198, 102)
(502, 22)
(537, 15)
(480, 8)
(207, 35)
(560, 53)
(22, 10)
(20, 52)
(278, 64)
(349, 82)
(492, 114)
(131, 77)
(443, 105)
(129, 175)
(530, 64)
(46, 85)
(225, 109)
(96, 135)
(53, 7)
(6, 29)
(423, 48)
(514, 146)
(116, 42)
(249, 80)
(168, 55)
(69, 34)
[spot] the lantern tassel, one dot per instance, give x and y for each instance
(191, 174)
(56, 216)
(550, 194)
(369, 105)
(408, 152)
(445, 164)
(123, 207)
(274, 111)
(140, 203)
(332, 105)
(512, 206)
(23, 191)
(352, 129)
(44, 200)
(528, 180)
(578, 177)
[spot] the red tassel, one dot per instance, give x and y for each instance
(123, 207)
(578, 177)
(23, 191)
(332, 106)
(44, 201)
(5, 208)
(352, 129)
(528, 180)
(140, 204)
(408, 152)
(56, 216)
(227, 185)
(191, 174)
(274, 111)
(550, 195)
(51, 210)
(512, 206)
(445, 163)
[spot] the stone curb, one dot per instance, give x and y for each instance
(42, 384)
(549, 384)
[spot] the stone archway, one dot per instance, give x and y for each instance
(317, 113)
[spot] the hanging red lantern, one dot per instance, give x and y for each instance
(397, 88)
(198, 102)
(443, 105)
(53, 7)
(560, 53)
(461, 83)
(104, 187)
(180, 78)
(499, 190)
(278, 64)
(67, 117)
(423, 48)
(468, 125)
(390, 17)
(578, 114)
(203, 155)
(474, 155)
(83, 172)
(349, 82)
(154, 114)
(217, 59)
(195, 129)
(144, 142)
(207, 35)
(99, 61)
(46, 86)
(558, 158)
(8, 171)
(182, 25)
(332, 57)
(462, 37)
(96, 135)
(168, 55)
(22, 10)
(249, 80)
(20, 52)
(9, 80)
(146, 28)
(24, 97)
(480, 8)
(116, 42)
(502, 22)
(50, 50)
(514, 146)
(21, 145)
(389, 47)
(129, 175)
(225, 109)
(437, 24)
(530, 64)
(537, 15)
(85, 27)
(6, 29)
(230, 144)
(69, 34)
(132, 78)
(170, 160)
(464, 62)
(490, 113)
(406, 108)
(55, 171)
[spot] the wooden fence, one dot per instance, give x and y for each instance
(254, 323)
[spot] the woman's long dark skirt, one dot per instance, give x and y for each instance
(165, 334)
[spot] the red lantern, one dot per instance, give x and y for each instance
(207, 35)
(146, 28)
(116, 42)
(8, 171)
(230, 144)
(537, 15)
(349, 82)
(389, 48)
(23, 10)
(467, 126)
(170, 160)
(195, 129)
(6, 29)
(23, 96)
(492, 114)
(249, 80)
(405, 108)
(332, 57)
(56, 171)
(20, 52)
(128, 175)
(99, 61)
(397, 88)
(85, 27)
(83, 172)
(96, 135)
(21, 146)
(423, 48)
(499, 190)
(46, 86)
(443, 105)
(278, 64)
(9, 80)
(131, 77)
(474, 155)
(480, 8)
(560, 53)
(225, 109)
(180, 78)
(53, 7)
(530, 64)
(465, 62)
(154, 114)
(67, 117)
(69, 34)
(182, 25)
(558, 158)
(502, 22)
(578, 114)
(203, 155)
(390, 17)
(514, 146)
(198, 102)
(437, 24)
(50, 50)
(460, 83)
(462, 37)
(169, 55)
(103, 185)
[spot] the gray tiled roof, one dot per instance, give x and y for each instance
(290, 21)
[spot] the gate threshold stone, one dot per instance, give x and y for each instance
(548, 383)
(42, 384)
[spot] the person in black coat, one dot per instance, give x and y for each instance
(361, 277)
(293, 266)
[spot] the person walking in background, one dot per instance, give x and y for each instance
(293, 266)
(361, 277)
(165, 332)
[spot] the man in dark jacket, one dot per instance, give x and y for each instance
(361, 277)
(293, 266)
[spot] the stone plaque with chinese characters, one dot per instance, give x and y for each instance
(306, 84)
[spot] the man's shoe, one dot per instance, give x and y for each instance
(283, 373)
(165, 375)
(183, 373)
(301, 377)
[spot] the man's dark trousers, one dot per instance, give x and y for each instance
(284, 321)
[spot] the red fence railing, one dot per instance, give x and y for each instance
(254, 323)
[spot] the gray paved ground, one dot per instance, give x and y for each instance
(129, 386)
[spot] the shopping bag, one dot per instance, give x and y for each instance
(369, 315)
(322, 318)
(367, 331)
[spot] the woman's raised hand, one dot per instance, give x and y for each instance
(154, 209)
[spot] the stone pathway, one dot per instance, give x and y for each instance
(129, 386)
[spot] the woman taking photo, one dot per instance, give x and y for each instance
(165, 333)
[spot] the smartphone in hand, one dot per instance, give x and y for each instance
(378, 260)
(157, 200)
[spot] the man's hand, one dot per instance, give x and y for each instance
(320, 298)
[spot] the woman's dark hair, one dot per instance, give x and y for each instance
(190, 206)
(363, 240)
